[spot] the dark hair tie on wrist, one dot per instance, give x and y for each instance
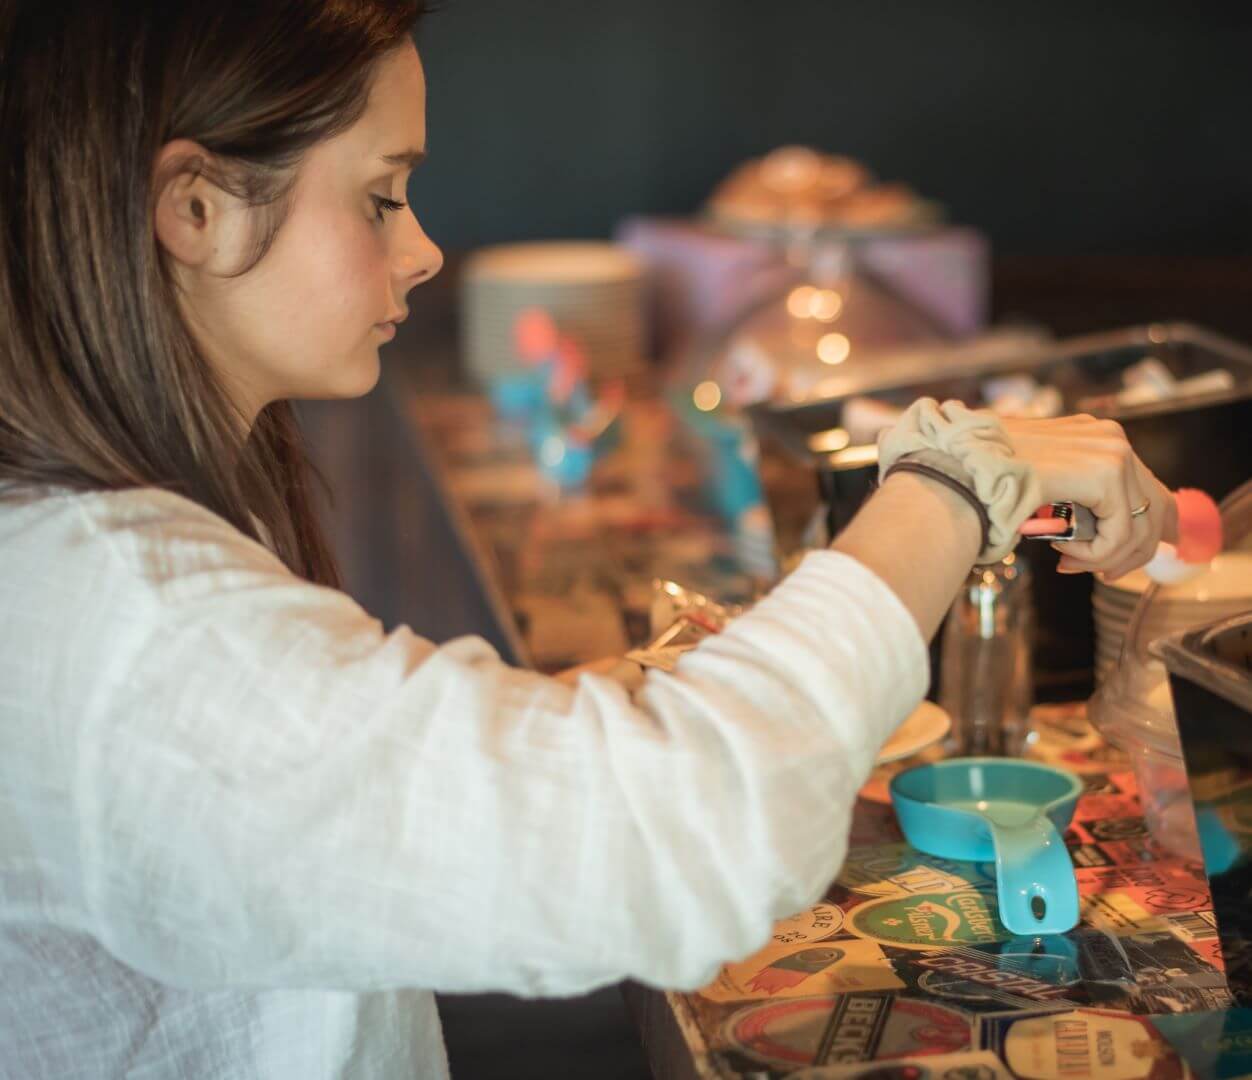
(984, 519)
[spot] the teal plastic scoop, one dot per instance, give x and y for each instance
(1012, 812)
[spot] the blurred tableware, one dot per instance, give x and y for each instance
(1225, 588)
(1133, 707)
(593, 291)
(1202, 441)
(922, 728)
(1210, 674)
(985, 683)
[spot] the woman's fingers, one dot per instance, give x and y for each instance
(1139, 544)
(1121, 570)
(1107, 483)
(1162, 515)
(1083, 460)
(1144, 492)
(1130, 560)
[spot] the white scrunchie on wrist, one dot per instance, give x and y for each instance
(975, 440)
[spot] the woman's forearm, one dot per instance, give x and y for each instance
(920, 538)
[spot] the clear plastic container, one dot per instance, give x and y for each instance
(1133, 708)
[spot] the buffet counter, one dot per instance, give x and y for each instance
(903, 969)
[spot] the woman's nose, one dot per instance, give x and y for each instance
(419, 258)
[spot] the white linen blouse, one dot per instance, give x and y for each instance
(245, 834)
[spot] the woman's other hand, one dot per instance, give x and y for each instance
(1084, 460)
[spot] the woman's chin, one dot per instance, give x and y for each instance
(360, 378)
(345, 383)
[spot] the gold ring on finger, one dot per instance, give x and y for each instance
(1139, 511)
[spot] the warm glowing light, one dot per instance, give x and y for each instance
(806, 302)
(854, 457)
(833, 348)
(826, 305)
(827, 442)
(707, 396)
(800, 301)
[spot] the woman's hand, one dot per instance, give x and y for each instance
(1084, 460)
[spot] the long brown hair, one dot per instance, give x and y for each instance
(102, 386)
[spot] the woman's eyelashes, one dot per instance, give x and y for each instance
(384, 206)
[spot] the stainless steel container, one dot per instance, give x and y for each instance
(1210, 676)
(1202, 441)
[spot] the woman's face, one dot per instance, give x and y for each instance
(307, 321)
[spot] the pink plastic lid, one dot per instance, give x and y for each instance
(1199, 526)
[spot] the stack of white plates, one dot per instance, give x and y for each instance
(594, 292)
(1225, 589)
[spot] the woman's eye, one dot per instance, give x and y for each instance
(384, 206)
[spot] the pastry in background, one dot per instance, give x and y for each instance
(800, 186)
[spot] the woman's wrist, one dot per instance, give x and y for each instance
(934, 501)
(920, 539)
(971, 449)
(940, 468)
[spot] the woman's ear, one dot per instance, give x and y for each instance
(199, 225)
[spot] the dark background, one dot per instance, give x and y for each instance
(1060, 129)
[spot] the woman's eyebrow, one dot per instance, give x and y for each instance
(411, 158)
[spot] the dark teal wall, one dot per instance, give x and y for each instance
(1058, 127)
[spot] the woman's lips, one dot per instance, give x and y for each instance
(388, 326)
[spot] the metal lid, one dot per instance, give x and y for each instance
(1217, 657)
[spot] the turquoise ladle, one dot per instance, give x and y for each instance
(1001, 809)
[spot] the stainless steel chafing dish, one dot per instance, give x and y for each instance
(1202, 440)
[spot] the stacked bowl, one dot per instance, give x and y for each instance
(1226, 589)
(1133, 707)
(593, 291)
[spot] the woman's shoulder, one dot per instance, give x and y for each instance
(158, 535)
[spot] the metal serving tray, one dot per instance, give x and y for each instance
(1202, 440)
(1081, 368)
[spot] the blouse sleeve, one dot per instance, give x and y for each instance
(270, 792)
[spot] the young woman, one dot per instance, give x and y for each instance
(242, 832)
